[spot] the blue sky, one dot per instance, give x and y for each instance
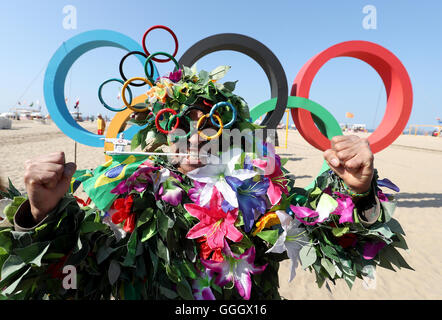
(31, 31)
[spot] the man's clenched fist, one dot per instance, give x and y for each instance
(47, 179)
(350, 157)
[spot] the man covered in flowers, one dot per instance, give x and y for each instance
(191, 227)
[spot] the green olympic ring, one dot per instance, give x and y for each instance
(325, 121)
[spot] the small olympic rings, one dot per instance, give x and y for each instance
(124, 59)
(123, 97)
(169, 125)
(100, 97)
(151, 57)
(223, 104)
(202, 135)
(190, 108)
(174, 38)
(157, 120)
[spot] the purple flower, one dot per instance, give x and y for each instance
(195, 192)
(382, 196)
(138, 181)
(201, 287)
(371, 249)
(175, 76)
(237, 269)
(251, 198)
(388, 184)
(169, 191)
(345, 208)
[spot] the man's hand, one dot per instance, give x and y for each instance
(47, 179)
(350, 157)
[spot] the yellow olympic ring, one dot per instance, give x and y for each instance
(118, 122)
(202, 135)
(123, 97)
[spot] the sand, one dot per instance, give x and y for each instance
(412, 162)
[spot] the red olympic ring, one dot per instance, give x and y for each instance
(394, 76)
(157, 120)
(174, 38)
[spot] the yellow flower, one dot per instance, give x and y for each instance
(266, 221)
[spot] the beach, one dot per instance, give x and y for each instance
(411, 162)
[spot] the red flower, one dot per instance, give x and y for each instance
(82, 202)
(55, 269)
(205, 251)
(347, 240)
(123, 212)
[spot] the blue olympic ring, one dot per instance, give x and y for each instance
(56, 73)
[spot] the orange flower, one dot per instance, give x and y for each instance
(266, 221)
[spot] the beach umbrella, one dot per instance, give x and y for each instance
(77, 103)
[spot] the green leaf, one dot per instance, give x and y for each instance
(150, 231)
(395, 226)
(91, 226)
(219, 72)
(329, 267)
(170, 294)
(307, 255)
(12, 208)
(11, 266)
(203, 76)
(229, 85)
(145, 216)
(10, 289)
(184, 290)
(33, 253)
(339, 232)
(269, 235)
(329, 252)
(187, 268)
(114, 271)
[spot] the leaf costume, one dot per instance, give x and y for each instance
(220, 231)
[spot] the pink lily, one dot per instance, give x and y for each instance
(215, 224)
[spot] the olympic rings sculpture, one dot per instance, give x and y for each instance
(316, 129)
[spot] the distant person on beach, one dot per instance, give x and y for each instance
(101, 125)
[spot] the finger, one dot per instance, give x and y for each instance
(47, 179)
(333, 161)
(337, 139)
(44, 166)
(56, 157)
(347, 143)
(347, 154)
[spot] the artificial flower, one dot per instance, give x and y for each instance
(169, 191)
(215, 224)
(266, 221)
(175, 76)
(201, 286)
(272, 170)
(371, 249)
(325, 207)
(291, 240)
(121, 211)
(208, 253)
(251, 198)
(237, 269)
(194, 193)
(345, 208)
(347, 240)
(138, 181)
(214, 175)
